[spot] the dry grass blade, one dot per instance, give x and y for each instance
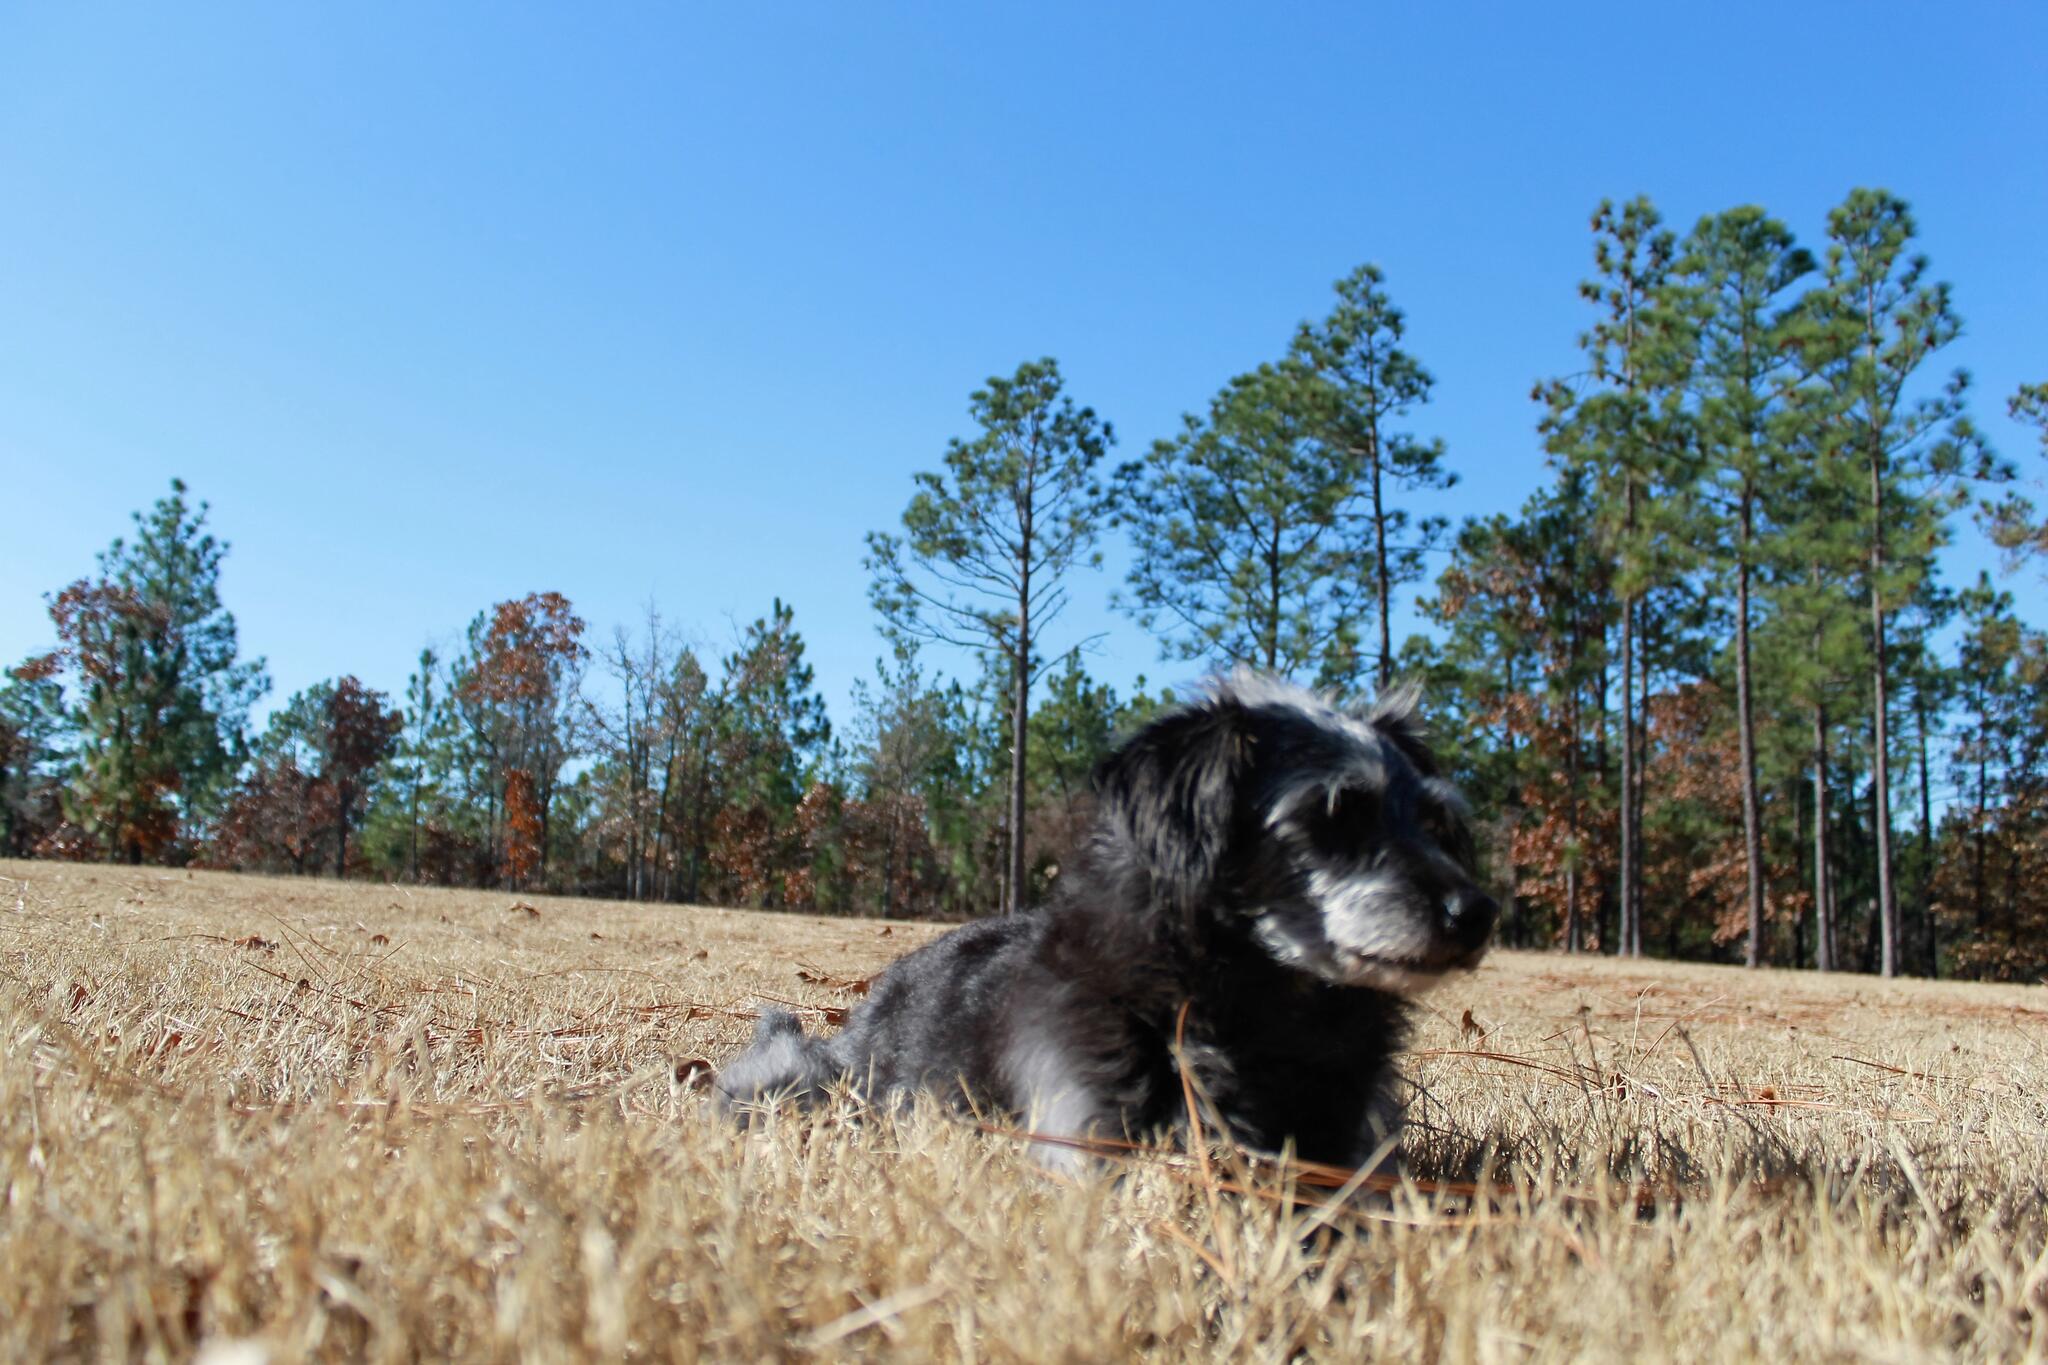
(1198, 1141)
(878, 1314)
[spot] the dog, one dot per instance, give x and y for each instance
(1269, 879)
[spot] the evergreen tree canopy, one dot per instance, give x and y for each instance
(1248, 543)
(155, 695)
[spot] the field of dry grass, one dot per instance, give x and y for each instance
(256, 1118)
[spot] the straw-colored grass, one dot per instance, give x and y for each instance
(246, 1117)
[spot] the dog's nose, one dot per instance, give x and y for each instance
(1471, 913)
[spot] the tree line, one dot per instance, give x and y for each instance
(1707, 688)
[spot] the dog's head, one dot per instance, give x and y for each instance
(1326, 835)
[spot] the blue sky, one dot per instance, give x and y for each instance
(441, 304)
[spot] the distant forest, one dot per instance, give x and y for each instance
(1707, 690)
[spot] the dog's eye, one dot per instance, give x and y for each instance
(1441, 826)
(1347, 823)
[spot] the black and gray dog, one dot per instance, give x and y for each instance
(1289, 871)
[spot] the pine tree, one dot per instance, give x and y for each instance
(1810, 639)
(1929, 694)
(424, 732)
(1620, 424)
(777, 728)
(1073, 729)
(1879, 321)
(1370, 383)
(154, 691)
(33, 758)
(1988, 650)
(987, 546)
(2013, 522)
(904, 750)
(770, 738)
(1736, 268)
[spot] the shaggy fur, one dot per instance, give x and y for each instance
(1287, 870)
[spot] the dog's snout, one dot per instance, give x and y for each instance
(1471, 914)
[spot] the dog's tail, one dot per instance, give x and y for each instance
(781, 1063)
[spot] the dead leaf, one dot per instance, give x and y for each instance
(817, 976)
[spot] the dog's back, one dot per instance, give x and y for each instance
(934, 1020)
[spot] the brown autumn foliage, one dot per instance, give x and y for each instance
(746, 849)
(1563, 848)
(279, 818)
(360, 733)
(1991, 889)
(858, 855)
(522, 688)
(523, 828)
(1694, 872)
(286, 815)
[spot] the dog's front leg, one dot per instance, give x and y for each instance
(1057, 1093)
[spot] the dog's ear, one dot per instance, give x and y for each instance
(1172, 788)
(1396, 714)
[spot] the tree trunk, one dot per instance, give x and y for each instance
(1385, 587)
(1823, 890)
(1511, 908)
(668, 782)
(343, 799)
(1628, 764)
(1931, 946)
(1797, 800)
(1979, 915)
(1574, 928)
(418, 768)
(2012, 888)
(1635, 803)
(1273, 600)
(547, 806)
(1020, 719)
(1887, 894)
(1752, 826)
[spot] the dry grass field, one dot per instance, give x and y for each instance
(248, 1118)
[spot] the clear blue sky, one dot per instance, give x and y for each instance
(440, 304)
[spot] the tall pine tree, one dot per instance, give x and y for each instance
(1880, 321)
(1371, 383)
(987, 546)
(155, 692)
(1620, 424)
(1735, 272)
